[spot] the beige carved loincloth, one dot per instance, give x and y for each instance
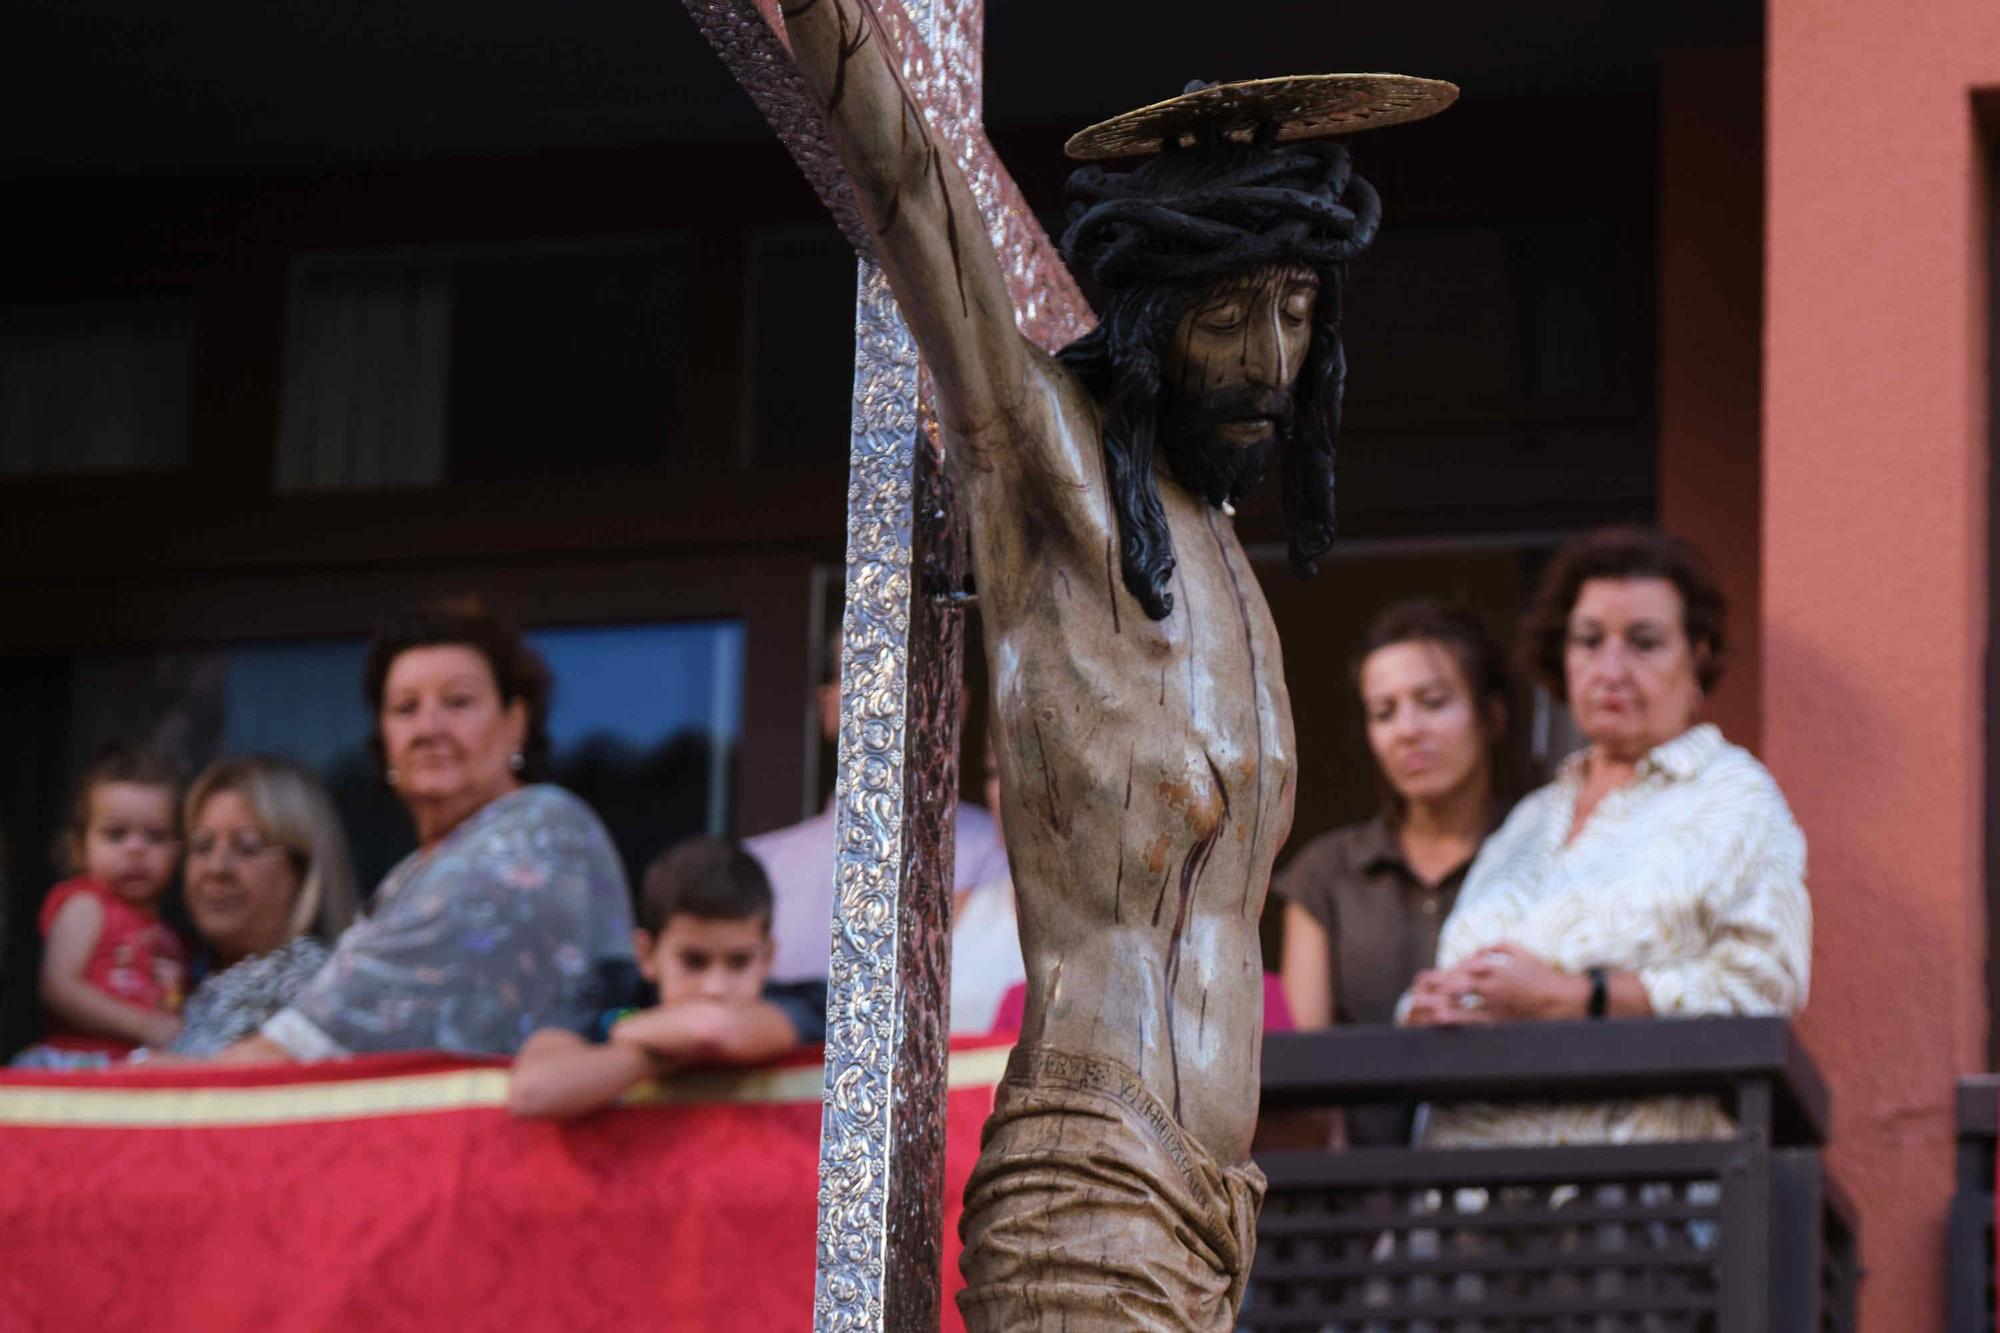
(1091, 1209)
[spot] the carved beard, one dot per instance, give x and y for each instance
(1210, 466)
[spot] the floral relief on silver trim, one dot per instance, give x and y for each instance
(864, 1115)
(882, 1119)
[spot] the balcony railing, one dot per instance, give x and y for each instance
(1732, 1235)
(1969, 1233)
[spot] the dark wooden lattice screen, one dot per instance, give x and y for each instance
(1729, 1235)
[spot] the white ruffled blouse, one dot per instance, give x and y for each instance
(1692, 877)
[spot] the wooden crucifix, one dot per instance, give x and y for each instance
(882, 1144)
(1141, 723)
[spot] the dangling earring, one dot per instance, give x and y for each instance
(390, 776)
(517, 761)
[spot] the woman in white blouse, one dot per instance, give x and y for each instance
(1660, 873)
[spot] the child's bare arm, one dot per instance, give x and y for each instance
(709, 1032)
(77, 1003)
(255, 1049)
(558, 1074)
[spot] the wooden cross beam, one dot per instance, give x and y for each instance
(882, 1129)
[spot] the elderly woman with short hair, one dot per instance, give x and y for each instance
(269, 886)
(1660, 873)
(513, 913)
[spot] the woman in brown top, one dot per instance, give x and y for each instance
(1363, 904)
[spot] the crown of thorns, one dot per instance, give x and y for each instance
(1291, 204)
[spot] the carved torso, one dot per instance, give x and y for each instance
(1146, 766)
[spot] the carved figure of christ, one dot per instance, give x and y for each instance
(1146, 764)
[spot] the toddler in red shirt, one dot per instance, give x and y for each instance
(112, 971)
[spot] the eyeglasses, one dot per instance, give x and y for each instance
(205, 846)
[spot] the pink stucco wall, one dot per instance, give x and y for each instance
(1874, 597)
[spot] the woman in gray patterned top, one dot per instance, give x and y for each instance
(269, 884)
(513, 912)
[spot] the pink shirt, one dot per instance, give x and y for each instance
(799, 861)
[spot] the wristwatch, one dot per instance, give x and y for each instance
(1600, 992)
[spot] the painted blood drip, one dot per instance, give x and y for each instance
(845, 49)
(1256, 722)
(951, 232)
(1118, 889)
(1111, 585)
(1191, 868)
(1051, 787)
(1111, 526)
(1221, 787)
(1186, 604)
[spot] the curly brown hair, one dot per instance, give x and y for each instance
(1622, 553)
(465, 622)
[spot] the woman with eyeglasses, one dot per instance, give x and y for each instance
(269, 886)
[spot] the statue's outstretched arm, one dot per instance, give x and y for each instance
(928, 234)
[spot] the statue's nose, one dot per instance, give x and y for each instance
(1268, 356)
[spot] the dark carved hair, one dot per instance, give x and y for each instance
(465, 622)
(1156, 237)
(1622, 553)
(1480, 661)
(710, 878)
(115, 763)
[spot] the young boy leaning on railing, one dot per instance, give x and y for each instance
(704, 944)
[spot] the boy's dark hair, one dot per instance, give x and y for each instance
(115, 763)
(710, 878)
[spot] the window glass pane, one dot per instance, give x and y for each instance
(367, 356)
(102, 386)
(486, 364)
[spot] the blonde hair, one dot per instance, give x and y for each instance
(294, 812)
